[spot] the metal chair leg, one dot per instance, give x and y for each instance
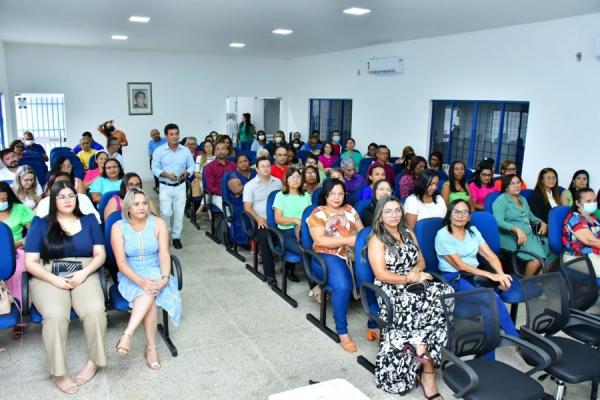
(368, 365)
(211, 235)
(321, 323)
(254, 269)
(283, 291)
(514, 309)
(163, 329)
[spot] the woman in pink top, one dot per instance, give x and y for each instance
(92, 174)
(327, 158)
(481, 186)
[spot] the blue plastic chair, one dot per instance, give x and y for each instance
(363, 166)
(315, 196)
(425, 231)
(526, 193)
(7, 270)
(92, 162)
(232, 212)
(353, 197)
(469, 175)
(396, 188)
(489, 201)
(361, 205)
(303, 154)
(57, 150)
(116, 301)
(104, 202)
(78, 171)
(39, 168)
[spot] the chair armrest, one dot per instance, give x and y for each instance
(542, 342)
(512, 234)
(543, 357)
(448, 356)
(364, 288)
(228, 211)
(274, 238)
(579, 317)
(515, 261)
(25, 292)
(307, 256)
(437, 277)
(103, 285)
(249, 224)
(177, 271)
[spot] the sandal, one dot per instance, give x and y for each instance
(349, 345)
(423, 359)
(82, 380)
(154, 365)
(373, 335)
(435, 396)
(72, 389)
(121, 349)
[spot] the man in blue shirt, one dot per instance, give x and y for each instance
(153, 144)
(30, 145)
(172, 163)
(95, 145)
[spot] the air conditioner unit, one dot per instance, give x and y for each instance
(385, 65)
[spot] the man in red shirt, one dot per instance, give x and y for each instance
(214, 171)
(383, 160)
(280, 167)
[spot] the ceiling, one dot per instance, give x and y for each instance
(208, 26)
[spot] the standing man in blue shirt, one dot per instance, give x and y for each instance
(153, 144)
(172, 163)
(30, 145)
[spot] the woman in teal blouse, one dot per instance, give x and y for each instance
(513, 214)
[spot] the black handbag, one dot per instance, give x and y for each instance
(65, 267)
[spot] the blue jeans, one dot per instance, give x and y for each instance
(290, 241)
(340, 284)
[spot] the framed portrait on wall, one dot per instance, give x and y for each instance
(139, 98)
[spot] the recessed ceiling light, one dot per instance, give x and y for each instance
(135, 18)
(238, 45)
(119, 37)
(356, 11)
(280, 31)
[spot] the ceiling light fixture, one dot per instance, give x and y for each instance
(281, 31)
(356, 11)
(135, 18)
(236, 45)
(119, 37)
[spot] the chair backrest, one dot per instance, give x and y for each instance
(546, 301)
(398, 169)
(469, 175)
(440, 185)
(526, 193)
(104, 202)
(302, 154)
(337, 163)
(363, 166)
(473, 322)
(251, 156)
(353, 197)
(7, 247)
(39, 167)
(556, 222)
(315, 195)
(361, 205)
(362, 268)
(92, 162)
(57, 152)
(58, 149)
(488, 227)
(305, 239)
(270, 212)
(489, 201)
(225, 193)
(582, 282)
(231, 158)
(110, 262)
(78, 171)
(425, 231)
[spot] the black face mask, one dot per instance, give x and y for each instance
(110, 128)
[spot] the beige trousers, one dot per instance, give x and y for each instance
(55, 304)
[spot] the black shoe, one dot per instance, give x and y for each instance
(177, 243)
(271, 281)
(292, 275)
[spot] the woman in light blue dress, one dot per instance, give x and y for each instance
(140, 243)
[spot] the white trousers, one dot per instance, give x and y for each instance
(172, 203)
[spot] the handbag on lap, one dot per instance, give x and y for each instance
(6, 299)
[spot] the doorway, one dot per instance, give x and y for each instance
(264, 113)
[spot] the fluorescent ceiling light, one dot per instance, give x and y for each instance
(280, 31)
(135, 18)
(356, 11)
(119, 37)
(238, 45)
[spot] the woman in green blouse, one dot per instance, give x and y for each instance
(513, 214)
(457, 187)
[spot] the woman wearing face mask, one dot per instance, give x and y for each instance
(26, 186)
(278, 140)
(260, 142)
(336, 138)
(581, 232)
(327, 157)
(298, 137)
(579, 181)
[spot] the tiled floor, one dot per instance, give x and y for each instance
(237, 340)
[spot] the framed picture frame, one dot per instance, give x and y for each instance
(139, 98)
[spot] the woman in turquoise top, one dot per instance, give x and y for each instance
(140, 243)
(109, 181)
(289, 204)
(350, 152)
(514, 215)
(456, 187)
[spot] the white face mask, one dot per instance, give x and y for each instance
(261, 137)
(336, 139)
(28, 142)
(3, 205)
(296, 145)
(278, 139)
(590, 208)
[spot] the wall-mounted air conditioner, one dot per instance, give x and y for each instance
(385, 65)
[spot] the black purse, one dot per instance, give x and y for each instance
(65, 267)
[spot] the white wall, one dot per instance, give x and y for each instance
(534, 62)
(188, 89)
(4, 86)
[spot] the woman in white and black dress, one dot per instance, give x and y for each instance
(410, 349)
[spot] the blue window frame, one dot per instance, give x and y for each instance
(328, 115)
(472, 130)
(2, 145)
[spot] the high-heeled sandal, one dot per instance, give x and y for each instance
(373, 335)
(154, 365)
(435, 396)
(121, 349)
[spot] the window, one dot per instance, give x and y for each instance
(472, 130)
(44, 116)
(328, 115)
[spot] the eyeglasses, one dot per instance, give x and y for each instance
(295, 178)
(134, 186)
(517, 183)
(511, 170)
(486, 174)
(391, 213)
(69, 197)
(312, 173)
(460, 213)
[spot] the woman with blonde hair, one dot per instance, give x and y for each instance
(26, 186)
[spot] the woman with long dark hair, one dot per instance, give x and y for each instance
(424, 202)
(408, 181)
(63, 252)
(85, 204)
(482, 185)
(456, 186)
(381, 189)
(64, 164)
(327, 157)
(246, 132)
(580, 180)
(545, 195)
(411, 348)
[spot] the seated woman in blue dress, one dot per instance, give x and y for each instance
(236, 181)
(140, 243)
(457, 245)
